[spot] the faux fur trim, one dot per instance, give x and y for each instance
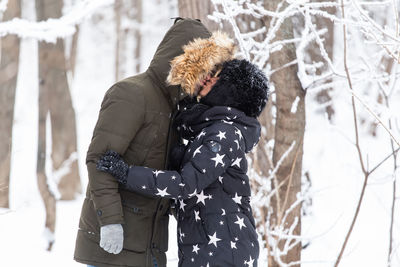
(200, 58)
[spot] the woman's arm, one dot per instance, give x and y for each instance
(217, 151)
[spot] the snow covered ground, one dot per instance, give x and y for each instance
(329, 157)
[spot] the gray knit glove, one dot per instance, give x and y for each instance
(112, 238)
(113, 163)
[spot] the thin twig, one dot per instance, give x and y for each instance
(366, 174)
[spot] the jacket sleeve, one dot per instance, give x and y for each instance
(119, 120)
(209, 160)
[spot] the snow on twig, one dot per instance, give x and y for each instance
(51, 29)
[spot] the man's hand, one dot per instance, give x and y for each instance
(112, 238)
(112, 163)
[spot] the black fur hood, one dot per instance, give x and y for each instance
(241, 85)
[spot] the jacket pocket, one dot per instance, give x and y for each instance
(137, 229)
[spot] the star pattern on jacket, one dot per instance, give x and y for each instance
(214, 239)
(237, 199)
(207, 226)
(219, 160)
(221, 135)
(239, 133)
(202, 133)
(196, 249)
(240, 222)
(182, 204)
(162, 193)
(201, 198)
(197, 151)
(250, 262)
(237, 143)
(237, 162)
(197, 216)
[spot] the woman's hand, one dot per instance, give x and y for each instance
(113, 163)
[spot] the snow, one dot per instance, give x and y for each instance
(51, 29)
(330, 156)
(293, 109)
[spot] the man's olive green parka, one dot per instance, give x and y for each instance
(134, 121)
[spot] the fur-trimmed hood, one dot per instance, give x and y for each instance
(200, 57)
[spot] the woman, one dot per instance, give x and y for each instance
(215, 222)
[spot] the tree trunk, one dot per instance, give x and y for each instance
(9, 60)
(324, 96)
(200, 10)
(72, 55)
(289, 127)
(48, 197)
(53, 82)
(138, 7)
(117, 11)
(127, 11)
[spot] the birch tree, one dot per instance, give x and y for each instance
(56, 100)
(9, 61)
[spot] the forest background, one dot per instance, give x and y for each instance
(324, 175)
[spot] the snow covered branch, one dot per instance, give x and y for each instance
(52, 29)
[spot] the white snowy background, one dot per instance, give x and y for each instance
(329, 156)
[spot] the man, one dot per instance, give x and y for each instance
(117, 227)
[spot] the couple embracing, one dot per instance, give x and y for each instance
(173, 140)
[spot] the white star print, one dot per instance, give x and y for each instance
(233, 245)
(240, 222)
(214, 239)
(220, 179)
(221, 135)
(249, 263)
(229, 108)
(211, 254)
(223, 212)
(181, 184)
(237, 162)
(192, 194)
(218, 160)
(237, 143)
(182, 204)
(192, 259)
(196, 248)
(236, 239)
(144, 187)
(227, 122)
(162, 193)
(181, 235)
(230, 149)
(202, 133)
(237, 199)
(173, 177)
(197, 215)
(238, 132)
(197, 151)
(201, 198)
(221, 222)
(157, 172)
